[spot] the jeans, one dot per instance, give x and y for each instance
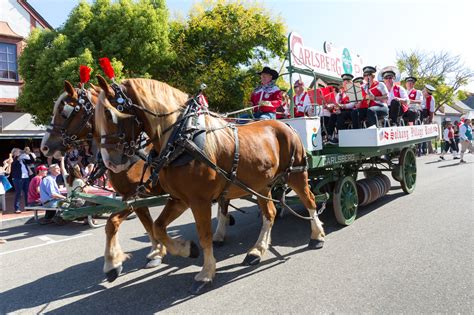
(50, 204)
(21, 185)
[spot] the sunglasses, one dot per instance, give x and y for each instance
(388, 77)
(367, 75)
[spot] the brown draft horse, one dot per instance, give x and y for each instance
(75, 129)
(266, 150)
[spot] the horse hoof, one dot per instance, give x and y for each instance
(231, 220)
(315, 244)
(199, 287)
(152, 263)
(218, 243)
(113, 274)
(194, 250)
(251, 260)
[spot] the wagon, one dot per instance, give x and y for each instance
(334, 169)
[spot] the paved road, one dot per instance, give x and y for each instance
(404, 254)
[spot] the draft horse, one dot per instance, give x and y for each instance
(265, 149)
(72, 124)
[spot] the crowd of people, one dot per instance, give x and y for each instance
(379, 100)
(38, 180)
(457, 139)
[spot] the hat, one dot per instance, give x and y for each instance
(430, 88)
(347, 76)
(412, 79)
(41, 168)
(269, 71)
(358, 80)
(390, 70)
(369, 69)
(336, 84)
(298, 83)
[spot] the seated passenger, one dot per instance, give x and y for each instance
(301, 100)
(345, 107)
(266, 98)
(49, 193)
(428, 104)
(375, 104)
(415, 98)
(397, 95)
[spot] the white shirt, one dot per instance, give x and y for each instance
(418, 97)
(302, 106)
(381, 87)
(431, 106)
(403, 94)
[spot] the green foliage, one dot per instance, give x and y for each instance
(133, 34)
(223, 44)
(440, 69)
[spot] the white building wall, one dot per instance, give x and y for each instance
(16, 17)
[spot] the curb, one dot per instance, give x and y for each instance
(15, 222)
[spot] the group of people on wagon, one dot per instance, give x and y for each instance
(380, 100)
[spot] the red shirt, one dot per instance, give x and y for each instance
(269, 93)
(33, 194)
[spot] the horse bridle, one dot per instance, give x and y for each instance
(117, 140)
(71, 138)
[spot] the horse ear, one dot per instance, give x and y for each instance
(95, 88)
(69, 89)
(104, 85)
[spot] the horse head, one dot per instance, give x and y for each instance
(72, 120)
(124, 113)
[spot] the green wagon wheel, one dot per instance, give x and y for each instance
(408, 170)
(345, 200)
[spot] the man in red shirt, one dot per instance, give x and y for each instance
(34, 187)
(266, 98)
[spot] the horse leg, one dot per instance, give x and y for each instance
(299, 183)
(114, 256)
(268, 209)
(202, 215)
(223, 219)
(157, 250)
(178, 247)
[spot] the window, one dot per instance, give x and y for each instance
(8, 66)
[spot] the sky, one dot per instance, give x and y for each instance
(376, 30)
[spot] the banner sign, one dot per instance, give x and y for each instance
(374, 137)
(332, 62)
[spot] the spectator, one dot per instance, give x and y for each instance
(34, 198)
(4, 183)
(49, 193)
(465, 135)
(20, 175)
(448, 137)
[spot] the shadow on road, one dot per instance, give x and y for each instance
(164, 287)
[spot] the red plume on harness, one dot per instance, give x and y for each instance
(107, 67)
(84, 73)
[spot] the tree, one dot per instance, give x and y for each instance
(133, 34)
(442, 70)
(223, 44)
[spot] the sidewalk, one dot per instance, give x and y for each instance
(8, 217)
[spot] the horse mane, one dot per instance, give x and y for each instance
(160, 97)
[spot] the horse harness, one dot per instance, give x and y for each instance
(186, 143)
(68, 114)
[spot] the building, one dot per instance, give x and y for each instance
(17, 19)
